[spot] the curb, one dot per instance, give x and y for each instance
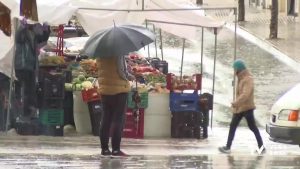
(265, 45)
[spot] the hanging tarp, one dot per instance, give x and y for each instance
(6, 53)
(57, 12)
(94, 20)
(190, 17)
(89, 17)
(54, 12)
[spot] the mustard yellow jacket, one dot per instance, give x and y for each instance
(109, 79)
(245, 92)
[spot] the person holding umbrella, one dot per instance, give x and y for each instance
(109, 48)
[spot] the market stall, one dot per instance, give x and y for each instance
(151, 74)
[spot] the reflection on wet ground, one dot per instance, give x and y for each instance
(217, 161)
(31, 152)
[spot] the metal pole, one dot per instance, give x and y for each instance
(155, 42)
(202, 46)
(235, 48)
(181, 68)
(159, 10)
(148, 45)
(161, 45)
(214, 76)
(177, 23)
(143, 5)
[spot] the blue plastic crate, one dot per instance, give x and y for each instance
(184, 102)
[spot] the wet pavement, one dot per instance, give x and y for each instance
(257, 22)
(84, 152)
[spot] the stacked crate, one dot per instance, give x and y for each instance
(96, 111)
(134, 124)
(93, 100)
(187, 118)
(51, 103)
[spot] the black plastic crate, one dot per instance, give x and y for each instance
(188, 125)
(160, 65)
(27, 126)
(52, 85)
(46, 103)
(96, 111)
(52, 130)
(68, 108)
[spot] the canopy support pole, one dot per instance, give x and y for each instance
(159, 10)
(148, 45)
(161, 45)
(155, 42)
(181, 67)
(202, 46)
(214, 76)
(235, 46)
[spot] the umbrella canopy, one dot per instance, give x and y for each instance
(118, 41)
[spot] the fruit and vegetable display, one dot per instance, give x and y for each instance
(90, 67)
(52, 61)
(85, 73)
(81, 83)
(184, 82)
(153, 80)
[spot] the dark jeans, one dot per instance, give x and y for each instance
(113, 119)
(251, 124)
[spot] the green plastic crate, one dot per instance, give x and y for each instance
(51, 116)
(144, 100)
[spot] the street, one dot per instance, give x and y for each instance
(84, 152)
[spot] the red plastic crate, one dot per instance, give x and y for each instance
(90, 95)
(133, 129)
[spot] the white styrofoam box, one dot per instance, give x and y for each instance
(157, 116)
(158, 104)
(82, 118)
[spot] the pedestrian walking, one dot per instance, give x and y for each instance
(114, 87)
(243, 106)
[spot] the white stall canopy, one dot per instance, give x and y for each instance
(95, 15)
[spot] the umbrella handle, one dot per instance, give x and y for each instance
(136, 85)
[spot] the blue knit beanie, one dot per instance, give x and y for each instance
(239, 65)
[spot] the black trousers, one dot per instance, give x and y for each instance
(251, 124)
(113, 119)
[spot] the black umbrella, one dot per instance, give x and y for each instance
(118, 41)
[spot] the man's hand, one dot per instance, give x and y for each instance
(234, 104)
(131, 77)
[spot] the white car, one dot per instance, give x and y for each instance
(284, 125)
